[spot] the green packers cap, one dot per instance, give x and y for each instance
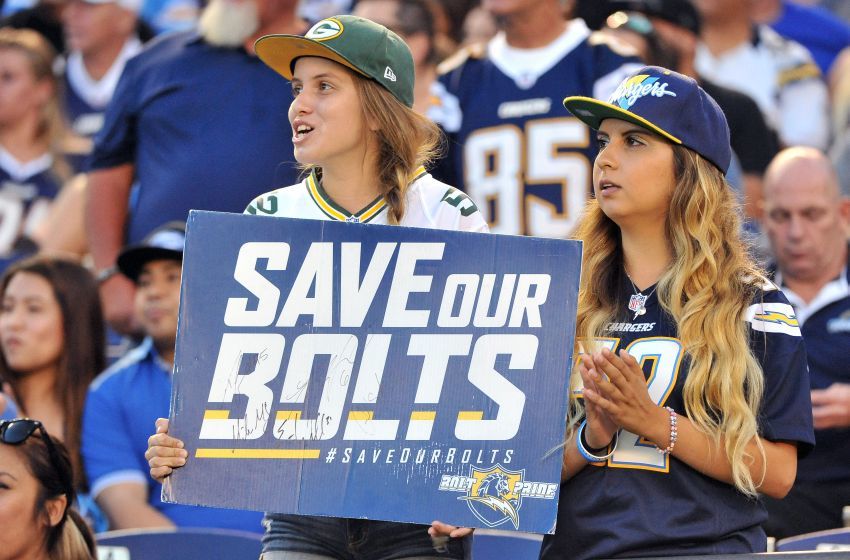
(360, 44)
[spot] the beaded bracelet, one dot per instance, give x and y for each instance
(587, 454)
(673, 433)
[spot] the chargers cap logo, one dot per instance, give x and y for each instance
(632, 89)
(325, 29)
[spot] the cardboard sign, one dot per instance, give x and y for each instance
(369, 371)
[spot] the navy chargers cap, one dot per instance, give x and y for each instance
(666, 103)
(165, 242)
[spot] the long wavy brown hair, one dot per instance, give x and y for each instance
(706, 290)
(83, 352)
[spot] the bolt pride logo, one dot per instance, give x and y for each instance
(632, 89)
(494, 495)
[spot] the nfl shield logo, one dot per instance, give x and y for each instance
(636, 302)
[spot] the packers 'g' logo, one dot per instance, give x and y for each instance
(325, 29)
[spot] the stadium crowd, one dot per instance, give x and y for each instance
(119, 116)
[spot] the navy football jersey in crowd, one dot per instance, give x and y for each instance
(643, 503)
(205, 127)
(85, 100)
(825, 323)
(26, 191)
(513, 147)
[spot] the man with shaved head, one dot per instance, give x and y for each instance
(806, 217)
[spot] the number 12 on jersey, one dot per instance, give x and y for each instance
(664, 356)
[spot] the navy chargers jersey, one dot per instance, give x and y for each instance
(85, 99)
(26, 191)
(642, 503)
(84, 121)
(513, 147)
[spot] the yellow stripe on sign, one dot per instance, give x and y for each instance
(284, 415)
(470, 415)
(216, 414)
(423, 415)
(360, 415)
(257, 453)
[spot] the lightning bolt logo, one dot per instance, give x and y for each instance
(497, 504)
(777, 317)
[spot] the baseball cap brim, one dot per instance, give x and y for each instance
(280, 51)
(132, 260)
(593, 111)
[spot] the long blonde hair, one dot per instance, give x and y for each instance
(41, 57)
(706, 291)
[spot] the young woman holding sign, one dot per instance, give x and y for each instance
(694, 380)
(356, 133)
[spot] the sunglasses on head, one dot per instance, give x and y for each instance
(16, 432)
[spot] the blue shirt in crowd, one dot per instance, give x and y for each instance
(825, 323)
(206, 128)
(122, 405)
(817, 29)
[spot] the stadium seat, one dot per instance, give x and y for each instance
(832, 540)
(488, 544)
(177, 544)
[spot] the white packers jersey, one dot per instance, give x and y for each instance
(430, 204)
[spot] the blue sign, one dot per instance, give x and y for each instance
(369, 371)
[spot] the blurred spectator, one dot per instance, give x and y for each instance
(666, 33)
(449, 16)
(165, 16)
(62, 231)
(821, 32)
(412, 21)
(8, 410)
(807, 218)
(43, 17)
(479, 26)
(195, 123)
(778, 74)
(100, 37)
(840, 8)
(512, 146)
(126, 400)
(31, 129)
(315, 10)
(840, 94)
(636, 29)
(36, 513)
(51, 337)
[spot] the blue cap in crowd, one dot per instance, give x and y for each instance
(667, 103)
(165, 242)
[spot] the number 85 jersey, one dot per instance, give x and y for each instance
(512, 146)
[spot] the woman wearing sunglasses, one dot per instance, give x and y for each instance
(36, 493)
